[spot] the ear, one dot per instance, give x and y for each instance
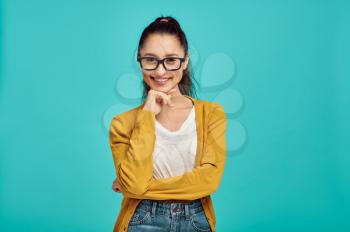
(186, 61)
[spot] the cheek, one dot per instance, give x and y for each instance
(145, 73)
(146, 76)
(178, 75)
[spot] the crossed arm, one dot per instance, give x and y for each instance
(132, 151)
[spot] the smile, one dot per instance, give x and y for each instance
(160, 81)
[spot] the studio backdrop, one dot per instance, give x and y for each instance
(281, 69)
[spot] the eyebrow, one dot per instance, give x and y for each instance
(171, 54)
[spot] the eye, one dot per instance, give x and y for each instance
(170, 60)
(150, 59)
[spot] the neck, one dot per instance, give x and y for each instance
(175, 93)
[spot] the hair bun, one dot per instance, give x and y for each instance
(168, 20)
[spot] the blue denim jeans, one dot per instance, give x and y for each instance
(169, 217)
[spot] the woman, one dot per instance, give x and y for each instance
(169, 152)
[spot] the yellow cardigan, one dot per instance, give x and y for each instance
(132, 140)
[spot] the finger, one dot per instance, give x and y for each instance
(116, 188)
(118, 185)
(161, 96)
(170, 102)
(115, 185)
(165, 98)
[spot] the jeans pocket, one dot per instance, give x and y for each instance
(199, 222)
(140, 216)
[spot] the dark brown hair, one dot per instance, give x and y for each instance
(169, 25)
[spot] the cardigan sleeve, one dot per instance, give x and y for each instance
(132, 150)
(201, 180)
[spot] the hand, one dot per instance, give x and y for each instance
(156, 100)
(116, 186)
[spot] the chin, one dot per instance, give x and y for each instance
(162, 88)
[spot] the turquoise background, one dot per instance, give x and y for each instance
(288, 63)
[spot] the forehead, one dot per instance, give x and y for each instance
(162, 45)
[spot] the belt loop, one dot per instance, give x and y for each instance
(187, 213)
(154, 205)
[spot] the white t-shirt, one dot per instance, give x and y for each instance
(175, 152)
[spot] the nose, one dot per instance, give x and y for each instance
(160, 70)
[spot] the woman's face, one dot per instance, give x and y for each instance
(161, 46)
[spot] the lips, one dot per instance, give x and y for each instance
(160, 81)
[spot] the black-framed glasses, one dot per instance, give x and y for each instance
(169, 63)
